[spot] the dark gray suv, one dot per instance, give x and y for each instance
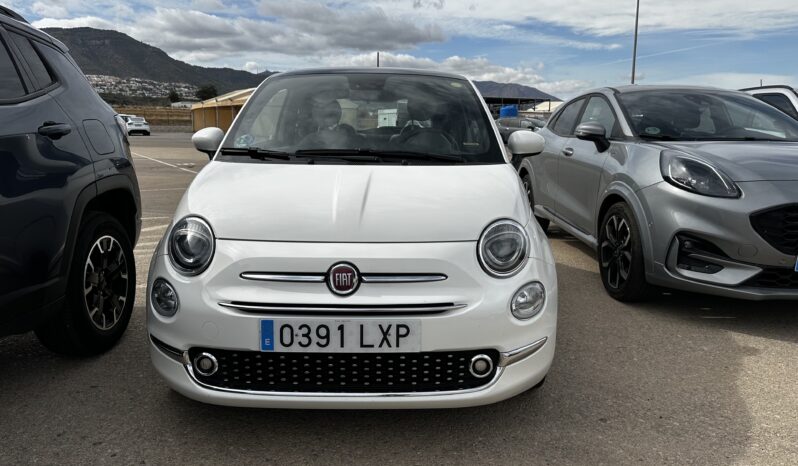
(69, 199)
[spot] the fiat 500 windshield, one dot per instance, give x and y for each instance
(364, 118)
(705, 116)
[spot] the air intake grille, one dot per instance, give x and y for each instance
(774, 278)
(779, 227)
(345, 372)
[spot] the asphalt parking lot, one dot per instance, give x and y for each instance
(681, 379)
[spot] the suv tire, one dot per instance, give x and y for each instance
(620, 255)
(102, 273)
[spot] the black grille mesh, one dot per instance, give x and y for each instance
(779, 227)
(774, 278)
(344, 372)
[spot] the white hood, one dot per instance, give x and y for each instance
(354, 203)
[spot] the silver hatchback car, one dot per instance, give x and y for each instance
(683, 187)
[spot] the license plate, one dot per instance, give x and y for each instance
(340, 336)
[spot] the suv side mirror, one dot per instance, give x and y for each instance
(593, 132)
(524, 143)
(208, 140)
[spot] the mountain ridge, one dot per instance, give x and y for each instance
(113, 53)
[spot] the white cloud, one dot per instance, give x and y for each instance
(252, 67)
(735, 80)
(49, 10)
(83, 21)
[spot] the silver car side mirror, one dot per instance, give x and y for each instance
(595, 132)
(526, 143)
(208, 140)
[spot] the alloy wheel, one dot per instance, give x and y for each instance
(616, 251)
(105, 282)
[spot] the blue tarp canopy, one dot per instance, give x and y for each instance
(508, 111)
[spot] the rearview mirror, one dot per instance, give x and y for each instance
(208, 140)
(593, 132)
(525, 143)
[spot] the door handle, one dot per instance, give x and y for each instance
(568, 151)
(54, 130)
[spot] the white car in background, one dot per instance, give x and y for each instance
(785, 98)
(327, 258)
(137, 125)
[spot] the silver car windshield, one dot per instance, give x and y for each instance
(374, 116)
(682, 115)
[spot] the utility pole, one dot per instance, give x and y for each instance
(378, 59)
(634, 52)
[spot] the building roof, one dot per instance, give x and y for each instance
(238, 97)
(494, 90)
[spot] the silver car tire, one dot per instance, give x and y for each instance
(620, 255)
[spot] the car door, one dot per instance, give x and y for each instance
(580, 166)
(41, 157)
(545, 165)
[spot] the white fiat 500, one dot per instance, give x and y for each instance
(359, 240)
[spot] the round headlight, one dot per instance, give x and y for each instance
(191, 245)
(164, 298)
(528, 301)
(503, 248)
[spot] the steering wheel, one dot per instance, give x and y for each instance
(405, 137)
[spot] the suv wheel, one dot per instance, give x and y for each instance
(621, 255)
(100, 293)
(527, 180)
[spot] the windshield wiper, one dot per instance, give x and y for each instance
(659, 137)
(256, 153)
(379, 155)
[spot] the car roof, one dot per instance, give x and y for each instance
(664, 87)
(378, 70)
(9, 18)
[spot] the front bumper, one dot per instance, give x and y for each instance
(484, 322)
(724, 223)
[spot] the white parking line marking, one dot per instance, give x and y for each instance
(144, 219)
(162, 189)
(164, 163)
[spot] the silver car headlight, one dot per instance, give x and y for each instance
(503, 248)
(191, 245)
(696, 176)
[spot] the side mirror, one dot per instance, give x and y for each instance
(208, 140)
(525, 143)
(593, 132)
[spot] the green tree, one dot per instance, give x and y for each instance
(174, 96)
(206, 92)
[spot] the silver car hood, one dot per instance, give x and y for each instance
(354, 203)
(747, 161)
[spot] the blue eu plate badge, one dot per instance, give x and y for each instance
(796, 264)
(267, 335)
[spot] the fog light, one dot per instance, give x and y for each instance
(205, 364)
(481, 366)
(528, 301)
(164, 298)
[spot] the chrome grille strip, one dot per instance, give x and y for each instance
(343, 309)
(283, 277)
(366, 277)
(402, 278)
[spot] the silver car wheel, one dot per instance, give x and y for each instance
(616, 251)
(105, 282)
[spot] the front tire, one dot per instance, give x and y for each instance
(527, 180)
(100, 291)
(620, 252)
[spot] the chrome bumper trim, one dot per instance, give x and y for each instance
(511, 357)
(342, 309)
(283, 277)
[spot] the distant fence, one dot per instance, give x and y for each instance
(160, 116)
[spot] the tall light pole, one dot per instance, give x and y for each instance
(634, 52)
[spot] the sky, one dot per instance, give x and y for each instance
(559, 46)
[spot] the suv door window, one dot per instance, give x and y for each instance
(565, 123)
(780, 101)
(10, 83)
(41, 75)
(598, 110)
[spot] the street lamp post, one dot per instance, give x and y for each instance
(634, 51)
